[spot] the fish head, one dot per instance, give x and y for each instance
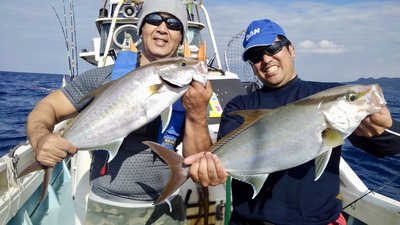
(352, 105)
(179, 71)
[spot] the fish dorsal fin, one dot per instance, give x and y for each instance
(166, 118)
(320, 163)
(68, 125)
(332, 138)
(256, 181)
(96, 92)
(250, 117)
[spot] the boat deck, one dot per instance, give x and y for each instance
(62, 209)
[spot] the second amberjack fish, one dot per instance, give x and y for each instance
(285, 137)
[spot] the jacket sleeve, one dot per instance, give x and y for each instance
(386, 144)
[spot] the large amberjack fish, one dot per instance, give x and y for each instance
(132, 101)
(283, 138)
(128, 103)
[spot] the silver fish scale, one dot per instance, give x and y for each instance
(274, 139)
(127, 105)
(293, 134)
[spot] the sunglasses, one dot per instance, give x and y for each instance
(156, 19)
(272, 49)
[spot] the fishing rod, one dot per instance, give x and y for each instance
(381, 186)
(66, 40)
(71, 75)
(392, 132)
(374, 190)
(73, 39)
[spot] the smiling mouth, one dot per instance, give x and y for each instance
(272, 69)
(160, 40)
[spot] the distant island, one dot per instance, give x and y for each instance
(386, 83)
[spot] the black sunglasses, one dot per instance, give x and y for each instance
(272, 49)
(156, 19)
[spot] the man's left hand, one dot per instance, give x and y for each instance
(375, 124)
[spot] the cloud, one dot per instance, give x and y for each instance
(360, 36)
(322, 47)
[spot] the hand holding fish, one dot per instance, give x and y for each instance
(375, 124)
(195, 100)
(206, 168)
(52, 149)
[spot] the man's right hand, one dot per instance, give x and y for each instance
(52, 149)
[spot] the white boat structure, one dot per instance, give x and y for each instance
(67, 194)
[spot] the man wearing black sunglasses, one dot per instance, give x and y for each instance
(290, 196)
(124, 189)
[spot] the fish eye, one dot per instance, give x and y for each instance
(183, 63)
(351, 96)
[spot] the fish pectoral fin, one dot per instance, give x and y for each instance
(256, 181)
(166, 118)
(151, 90)
(332, 138)
(320, 163)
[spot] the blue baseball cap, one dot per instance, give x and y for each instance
(261, 33)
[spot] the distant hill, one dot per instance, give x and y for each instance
(385, 82)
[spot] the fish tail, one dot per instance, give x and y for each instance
(46, 180)
(180, 173)
(36, 166)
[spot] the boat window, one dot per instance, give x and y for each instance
(121, 36)
(194, 37)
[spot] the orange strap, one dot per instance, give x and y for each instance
(340, 221)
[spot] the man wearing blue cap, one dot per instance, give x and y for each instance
(290, 196)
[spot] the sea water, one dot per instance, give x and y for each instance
(19, 93)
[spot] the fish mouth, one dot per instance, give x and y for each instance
(203, 71)
(171, 84)
(377, 98)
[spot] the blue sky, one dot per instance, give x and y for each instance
(334, 40)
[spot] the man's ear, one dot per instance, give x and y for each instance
(292, 51)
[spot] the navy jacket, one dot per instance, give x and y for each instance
(292, 196)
